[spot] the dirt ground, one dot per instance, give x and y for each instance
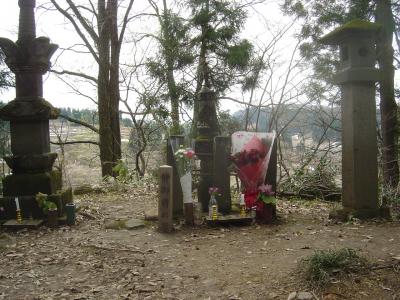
(87, 261)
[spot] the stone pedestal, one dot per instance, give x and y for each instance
(29, 114)
(357, 76)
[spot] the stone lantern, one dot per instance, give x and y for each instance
(356, 77)
(29, 114)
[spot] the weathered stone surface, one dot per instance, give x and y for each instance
(300, 296)
(151, 215)
(35, 108)
(6, 240)
(30, 184)
(129, 224)
(115, 224)
(292, 296)
(357, 76)
(29, 113)
(207, 129)
(222, 179)
(134, 224)
(304, 296)
(31, 163)
(165, 203)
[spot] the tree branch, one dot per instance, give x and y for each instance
(75, 142)
(87, 125)
(72, 73)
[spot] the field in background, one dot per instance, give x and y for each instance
(82, 161)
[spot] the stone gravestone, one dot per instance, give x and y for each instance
(207, 130)
(29, 114)
(356, 77)
(222, 150)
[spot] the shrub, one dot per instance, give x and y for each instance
(324, 265)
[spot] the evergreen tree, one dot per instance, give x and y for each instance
(221, 56)
(174, 55)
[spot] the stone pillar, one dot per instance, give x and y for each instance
(29, 114)
(165, 199)
(222, 150)
(207, 129)
(357, 76)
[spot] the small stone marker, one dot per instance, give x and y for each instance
(222, 150)
(165, 202)
(189, 213)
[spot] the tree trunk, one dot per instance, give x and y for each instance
(106, 151)
(114, 82)
(388, 105)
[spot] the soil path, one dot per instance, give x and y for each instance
(253, 262)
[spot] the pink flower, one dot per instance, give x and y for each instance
(189, 153)
(213, 191)
(266, 189)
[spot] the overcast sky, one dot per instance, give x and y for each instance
(52, 25)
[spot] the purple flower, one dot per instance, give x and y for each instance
(213, 191)
(266, 189)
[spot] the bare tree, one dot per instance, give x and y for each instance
(102, 35)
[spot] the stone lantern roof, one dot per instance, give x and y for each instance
(359, 28)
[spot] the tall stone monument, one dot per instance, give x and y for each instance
(29, 114)
(356, 77)
(207, 130)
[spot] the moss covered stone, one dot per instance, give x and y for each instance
(32, 108)
(30, 184)
(356, 26)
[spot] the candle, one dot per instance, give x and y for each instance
(17, 203)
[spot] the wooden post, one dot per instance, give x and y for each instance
(165, 199)
(222, 150)
(173, 144)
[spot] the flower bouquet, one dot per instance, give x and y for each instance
(184, 159)
(251, 154)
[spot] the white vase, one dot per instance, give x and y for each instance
(186, 184)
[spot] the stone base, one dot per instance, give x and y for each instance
(29, 205)
(30, 224)
(345, 213)
(29, 184)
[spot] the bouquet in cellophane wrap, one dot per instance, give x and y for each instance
(251, 152)
(184, 159)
